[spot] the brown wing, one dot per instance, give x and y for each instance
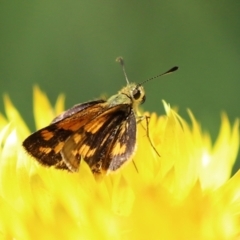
(105, 143)
(46, 144)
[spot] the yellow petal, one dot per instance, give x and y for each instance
(14, 117)
(185, 193)
(43, 112)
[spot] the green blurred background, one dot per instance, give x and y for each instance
(70, 47)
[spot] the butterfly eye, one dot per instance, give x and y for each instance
(136, 93)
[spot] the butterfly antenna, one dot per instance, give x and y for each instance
(120, 60)
(173, 69)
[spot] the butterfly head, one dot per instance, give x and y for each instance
(135, 92)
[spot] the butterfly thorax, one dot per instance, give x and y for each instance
(133, 94)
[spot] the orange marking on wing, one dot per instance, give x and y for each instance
(77, 138)
(73, 125)
(59, 147)
(86, 150)
(45, 149)
(46, 135)
(95, 126)
(118, 149)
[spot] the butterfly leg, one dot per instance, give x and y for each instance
(139, 120)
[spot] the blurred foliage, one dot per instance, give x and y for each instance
(70, 47)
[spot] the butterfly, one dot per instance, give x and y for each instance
(101, 132)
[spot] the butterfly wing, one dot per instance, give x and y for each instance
(105, 143)
(46, 144)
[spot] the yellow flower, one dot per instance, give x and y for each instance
(186, 193)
